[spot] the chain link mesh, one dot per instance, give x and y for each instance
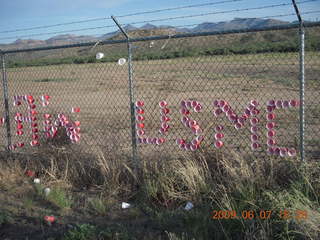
(238, 68)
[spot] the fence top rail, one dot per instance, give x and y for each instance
(162, 37)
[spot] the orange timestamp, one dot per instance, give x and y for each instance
(261, 214)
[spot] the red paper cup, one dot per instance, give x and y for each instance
(255, 146)
(34, 143)
(271, 103)
(182, 146)
(270, 108)
(184, 111)
(271, 142)
(270, 125)
(218, 128)
(226, 108)
(292, 152)
(140, 132)
(184, 119)
(218, 136)
(215, 103)
(164, 111)
(237, 126)
(271, 150)
(222, 103)
(254, 121)
(254, 137)
(187, 146)
(20, 144)
(140, 125)
(285, 104)
(200, 138)
(218, 144)
(139, 111)
(254, 129)
(197, 108)
(217, 112)
(293, 103)
(271, 116)
(254, 103)
(183, 104)
(144, 140)
(163, 104)
(139, 118)
(279, 104)
(271, 133)
(189, 104)
(165, 119)
(180, 141)
(75, 109)
(194, 104)
(194, 147)
(283, 152)
(19, 132)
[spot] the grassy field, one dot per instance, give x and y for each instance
(89, 180)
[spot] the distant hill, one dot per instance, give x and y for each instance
(147, 30)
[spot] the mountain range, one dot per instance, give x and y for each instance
(147, 30)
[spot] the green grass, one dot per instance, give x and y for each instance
(59, 198)
(46, 80)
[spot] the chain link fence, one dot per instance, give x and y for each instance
(236, 89)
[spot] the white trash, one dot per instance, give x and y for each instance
(122, 61)
(188, 206)
(47, 191)
(125, 205)
(36, 180)
(99, 55)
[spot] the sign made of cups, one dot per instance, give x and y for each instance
(251, 114)
(50, 123)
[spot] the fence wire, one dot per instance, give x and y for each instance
(238, 73)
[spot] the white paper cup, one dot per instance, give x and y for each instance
(122, 61)
(99, 55)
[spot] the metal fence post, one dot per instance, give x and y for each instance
(6, 101)
(131, 95)
(302, 82)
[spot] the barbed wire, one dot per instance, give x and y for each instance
(127, 15)
(220, 12)
(178, 8)
(58, 32)
(171, 18)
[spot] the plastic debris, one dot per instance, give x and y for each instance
(188, 206)
(36, 180)
(125, 205)
(99, 55)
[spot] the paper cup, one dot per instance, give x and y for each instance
(99, 55)
(271, 116)
(271, 142)
(271, 133)
(219, 136)
(254, 137)
(122, 61)
(254, 129)
(218, 144)
(163, 104)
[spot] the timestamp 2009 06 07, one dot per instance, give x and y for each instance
(261, 214)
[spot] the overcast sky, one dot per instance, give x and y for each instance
(17, 14)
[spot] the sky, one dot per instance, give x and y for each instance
(19, 14)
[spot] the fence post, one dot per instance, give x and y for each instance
(5, 97)
(302, 82)
(131, 95)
